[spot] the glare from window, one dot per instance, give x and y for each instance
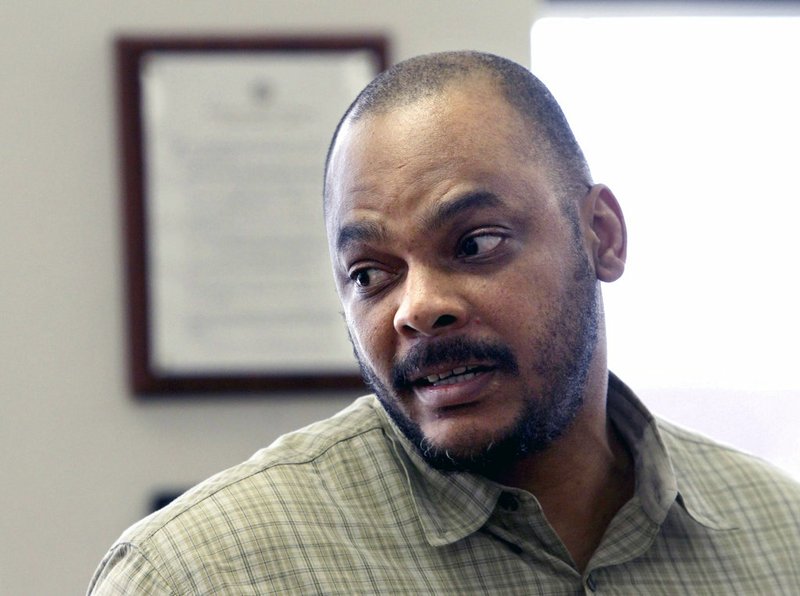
(693, 122)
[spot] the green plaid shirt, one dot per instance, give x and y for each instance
(346, 506)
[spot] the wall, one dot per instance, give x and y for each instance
(78, 455)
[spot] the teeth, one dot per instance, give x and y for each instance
(448, 378)
(455, 379)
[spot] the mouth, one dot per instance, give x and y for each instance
(459, 374)
(452, 372)
(453, 389)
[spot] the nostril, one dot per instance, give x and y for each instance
(444, 321)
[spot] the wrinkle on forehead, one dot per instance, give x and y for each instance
(424, 145)
(433, 112)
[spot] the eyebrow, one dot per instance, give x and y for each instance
(442, 213)
(363, 231)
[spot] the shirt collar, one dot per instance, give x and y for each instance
(658, 485)
(453, 505)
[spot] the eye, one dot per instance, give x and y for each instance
(479, 244)
(368, 277)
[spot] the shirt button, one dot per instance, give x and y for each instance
(508, 502)
(591, 582)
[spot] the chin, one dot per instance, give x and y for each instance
(472, 447)
(465, 444)
(466, 437)
(488, 440)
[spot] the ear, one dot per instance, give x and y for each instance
(607, 235)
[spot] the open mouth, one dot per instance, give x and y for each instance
(457, 375)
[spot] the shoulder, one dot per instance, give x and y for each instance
(295, 462)
(696, 455)
(284, 495)
(728, 483)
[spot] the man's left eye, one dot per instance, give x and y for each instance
(479, 244)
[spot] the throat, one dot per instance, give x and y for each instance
(580, 496)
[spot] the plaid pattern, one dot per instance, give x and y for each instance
(346, 506)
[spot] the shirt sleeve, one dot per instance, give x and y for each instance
(125, 570)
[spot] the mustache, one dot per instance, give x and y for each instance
(452, 350)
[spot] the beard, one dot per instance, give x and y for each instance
(563, 355)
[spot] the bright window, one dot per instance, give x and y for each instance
(694, 123)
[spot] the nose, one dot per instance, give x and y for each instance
(430, 305)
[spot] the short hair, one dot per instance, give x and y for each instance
(428, 75)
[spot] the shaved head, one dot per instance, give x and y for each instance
(433, 74)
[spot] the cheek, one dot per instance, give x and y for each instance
(372, 333)
(518, 304)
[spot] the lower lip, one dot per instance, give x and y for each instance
(457, 394)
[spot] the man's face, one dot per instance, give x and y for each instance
(469, 298)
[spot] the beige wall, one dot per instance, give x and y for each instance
(79, 457)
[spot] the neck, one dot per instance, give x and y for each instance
(582, 480)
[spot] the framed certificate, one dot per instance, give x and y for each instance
(223, 145)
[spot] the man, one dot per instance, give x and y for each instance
(498, 454)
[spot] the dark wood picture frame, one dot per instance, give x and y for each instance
(145, 379)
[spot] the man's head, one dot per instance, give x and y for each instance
(429, 75)
(467, 244)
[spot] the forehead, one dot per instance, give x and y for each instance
(464, 139)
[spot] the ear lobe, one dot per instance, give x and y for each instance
(609, 235)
